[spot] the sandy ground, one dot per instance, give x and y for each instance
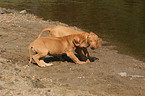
(112, 75)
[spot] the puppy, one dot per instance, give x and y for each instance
(92, 39)
(56, 46)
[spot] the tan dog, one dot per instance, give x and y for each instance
(56, 46)
(92, 39)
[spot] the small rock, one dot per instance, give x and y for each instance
(23, 12)
(123, 74)
(2, 83)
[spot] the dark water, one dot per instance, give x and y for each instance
(121, 22)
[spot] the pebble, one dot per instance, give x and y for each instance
(123, 74)
(2, 83)
(23, 12)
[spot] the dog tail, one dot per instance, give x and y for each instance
(29, 51)
(46, 29)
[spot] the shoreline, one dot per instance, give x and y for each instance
(63, 78)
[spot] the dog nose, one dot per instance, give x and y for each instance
(92, 48)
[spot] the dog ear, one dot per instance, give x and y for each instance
(76, 41)
(99, 44)
(92, 33)
(85, 36)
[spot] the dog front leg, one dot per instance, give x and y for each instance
(80, 53)
(87, 55)
(83, 53)
(74, 58)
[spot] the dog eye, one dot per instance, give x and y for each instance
(90, 40)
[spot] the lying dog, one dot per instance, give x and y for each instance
(56, 46)
(92, 39)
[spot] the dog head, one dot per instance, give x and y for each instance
(93, 41)
(80, 40)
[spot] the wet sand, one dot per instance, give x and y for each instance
(113, 74)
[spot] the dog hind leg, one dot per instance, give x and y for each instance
(40, 63)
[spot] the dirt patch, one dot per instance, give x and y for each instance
(99, 78)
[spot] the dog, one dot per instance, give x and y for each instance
(56, 46)
(92, 39)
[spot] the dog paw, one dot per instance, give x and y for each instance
(42, 63)
(81, 62)
(49, 64)
(87, 61)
